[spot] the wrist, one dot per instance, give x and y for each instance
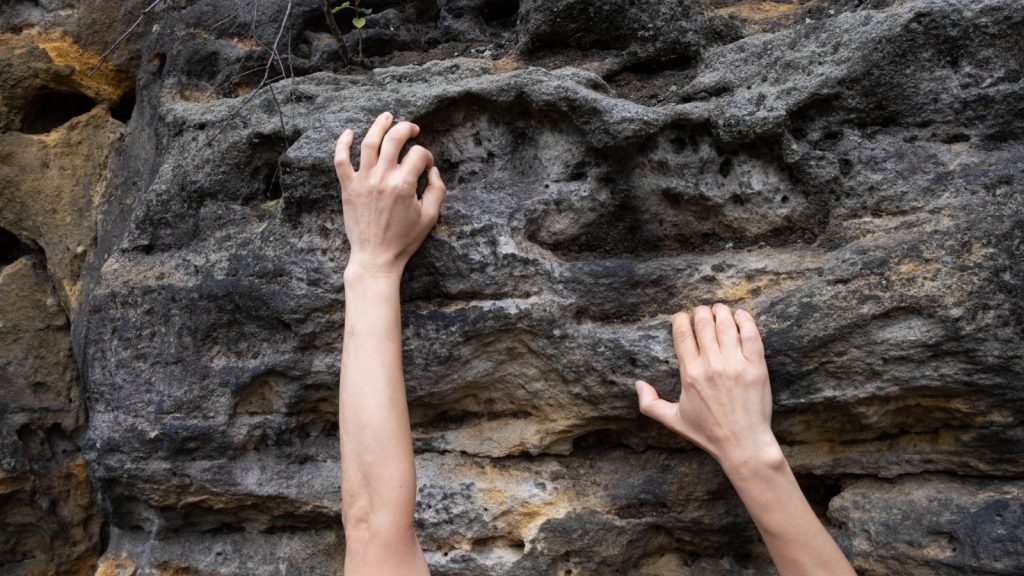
(361, 272)
(763, 457)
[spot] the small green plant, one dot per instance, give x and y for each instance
(271, 205)
(358, 20)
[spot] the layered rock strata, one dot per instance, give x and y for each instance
(850, 172)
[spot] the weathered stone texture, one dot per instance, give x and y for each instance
(851, 172)
(58, 126)
(48, 518)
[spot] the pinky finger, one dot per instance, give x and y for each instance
(433, 195)
(750, 338)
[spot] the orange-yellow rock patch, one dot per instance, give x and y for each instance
(105, 85)
(116, 566)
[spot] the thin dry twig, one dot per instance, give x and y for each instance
(138, 20)
(339, 38)
(274, 56)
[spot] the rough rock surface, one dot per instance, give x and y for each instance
(851, 172)
(58, 126)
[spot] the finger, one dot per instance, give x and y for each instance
(394, 140)
(728, 334)
(661, 411)
(416, 160)
(433, 195)
(683, 340)
(342, 160)
(750, 338)
(704, 329)
(369, 150)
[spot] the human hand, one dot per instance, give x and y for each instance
(725, 401)
(384, 220)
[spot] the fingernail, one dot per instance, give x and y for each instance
(346, 132)
(385, 115)
(637, 384)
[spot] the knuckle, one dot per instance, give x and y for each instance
(409, 180)
(694, 373)
(400, 130)
(397, 187)
(716, 370)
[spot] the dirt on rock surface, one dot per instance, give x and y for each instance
(172, 249)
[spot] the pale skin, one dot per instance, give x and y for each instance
(385, 223)
(724, 405)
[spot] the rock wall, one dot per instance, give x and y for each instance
(851, 172)
(58, 127)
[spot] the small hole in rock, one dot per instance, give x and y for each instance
(158, 61)
(122, 111)
(784, 199)
(725, 168)
(845, 166)
(49, 109)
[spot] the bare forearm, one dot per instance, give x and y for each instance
(725, 407)
(797, 541)
(378, 475)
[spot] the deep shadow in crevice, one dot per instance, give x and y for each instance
(11, 248)
(49, 109)
(819, 491)
(123, 109)
(500, 14)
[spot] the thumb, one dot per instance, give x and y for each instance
(661, 411)
(433, 195)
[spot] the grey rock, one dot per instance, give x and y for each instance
(934, 525)
(850, 172)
